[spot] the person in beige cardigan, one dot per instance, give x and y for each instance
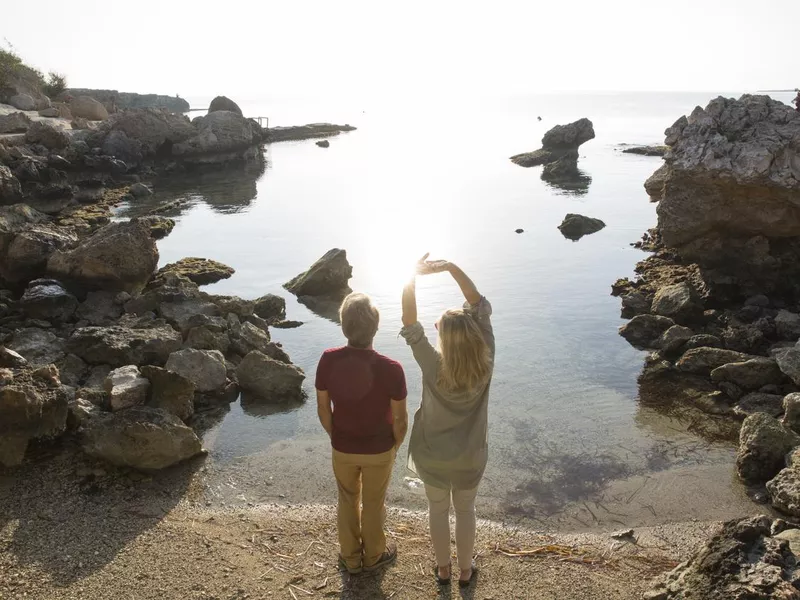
(448, 447)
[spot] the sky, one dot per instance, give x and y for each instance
(349, 48)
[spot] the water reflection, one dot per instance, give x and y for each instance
(326, 307)
(256, 407)
(576, 184)
(227, 191)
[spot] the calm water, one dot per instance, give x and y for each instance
(566, 432)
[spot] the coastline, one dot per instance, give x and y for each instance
(153, 537)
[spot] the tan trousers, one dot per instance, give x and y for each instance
(362, 479)
(439, 522)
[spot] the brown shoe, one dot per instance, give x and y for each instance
(386, 558)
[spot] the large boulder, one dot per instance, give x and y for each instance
(141, 437)
(48, 135)
(574, 227)
(86, 107)
(170, 391)
(771, 404)
(787, 325)
(126, 387)
(743, 561)
(10, 188)
(47, 299)
(560, 141)
(155, 130)
(120, 257)
(788, 360)
(202, 271)
(119, 346)
(703, 360)
(270, 380)
(248, 337)
(17, 122)
(205, 368)
(784, 491)
(328, 276)
(29, 251)
(751, 374)
(643, 330)
(33, 404)
(225, 104)
(22, 102)
(730, 188)
(220, 132)
(38, 346)
(763, 444)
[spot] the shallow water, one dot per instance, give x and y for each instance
(570, 445)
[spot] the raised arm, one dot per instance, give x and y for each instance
(410, 303)
(468, 288)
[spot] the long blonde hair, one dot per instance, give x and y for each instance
(466, 362)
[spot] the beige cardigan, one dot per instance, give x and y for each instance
(448, 445)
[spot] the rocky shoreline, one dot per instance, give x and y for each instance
(96, 342)
(717, 302)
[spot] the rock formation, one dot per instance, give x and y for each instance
(748, 558)
(328, 276)
(115, 101)
(225, 104)
(574, 227)
(559, 146)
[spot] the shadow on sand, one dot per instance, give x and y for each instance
(69, 516)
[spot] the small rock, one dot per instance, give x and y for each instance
(787, 325)
(140, 190)
(126, 387)
(791, 412)
(46, 299)
(575, 226)
(323, 143)
(754, 402)
(674, 338)
(205, 368)
(703, 360)
(270, 307)
(622, 534)
(519, 231)
(328, 276)
(751, 374)
(9, 358)
(677, 301)
(170, 391)
(644, 330)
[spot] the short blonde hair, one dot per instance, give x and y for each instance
(360, 318)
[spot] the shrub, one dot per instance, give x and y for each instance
(55, 84)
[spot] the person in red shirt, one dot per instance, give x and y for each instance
(361, 402)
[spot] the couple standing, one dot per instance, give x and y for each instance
(361, 401)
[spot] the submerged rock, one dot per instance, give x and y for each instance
(646, 150)
(742, 561)
(304, 132)
(141, 437)
(327, 277)
(575, 226)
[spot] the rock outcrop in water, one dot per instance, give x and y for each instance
(725, 269)
(559, 146)
(574, 227)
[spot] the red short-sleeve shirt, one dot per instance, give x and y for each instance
(361, 384)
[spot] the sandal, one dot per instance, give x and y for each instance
(441, 580)
(463, 583)
(386, 558)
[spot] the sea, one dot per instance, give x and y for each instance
(571, 445)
